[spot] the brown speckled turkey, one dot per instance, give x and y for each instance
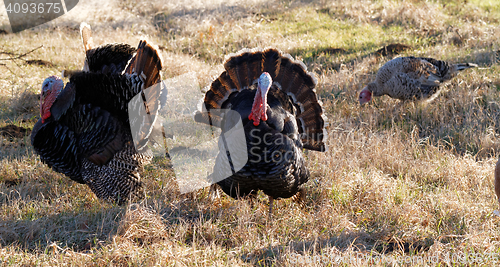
(411, 78)
(276, 99)
(84, 129)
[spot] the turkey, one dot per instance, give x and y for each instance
(275, 97)
(84, 130)
(411, 78)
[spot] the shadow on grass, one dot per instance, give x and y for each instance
(356, 245)
(15, 148)
(80, 231)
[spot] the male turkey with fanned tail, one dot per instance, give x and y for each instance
(411, 79)
(84, 130)
(280, 112)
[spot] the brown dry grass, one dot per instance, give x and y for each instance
(399, 183)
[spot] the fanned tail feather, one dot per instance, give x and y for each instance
(244, 68)
(86, 34)
(146, 64)
(446, 69)
(463, 66)
(272, 62)
(289, 75)
(219, 91)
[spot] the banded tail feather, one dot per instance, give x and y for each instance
(86, 35)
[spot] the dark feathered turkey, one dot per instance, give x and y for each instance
(84, 131)
(411, 78)
(281, 115)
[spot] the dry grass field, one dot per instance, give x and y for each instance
(401, 185)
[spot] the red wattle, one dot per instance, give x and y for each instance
(45, 116)
(47, 103)
(256, 112)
